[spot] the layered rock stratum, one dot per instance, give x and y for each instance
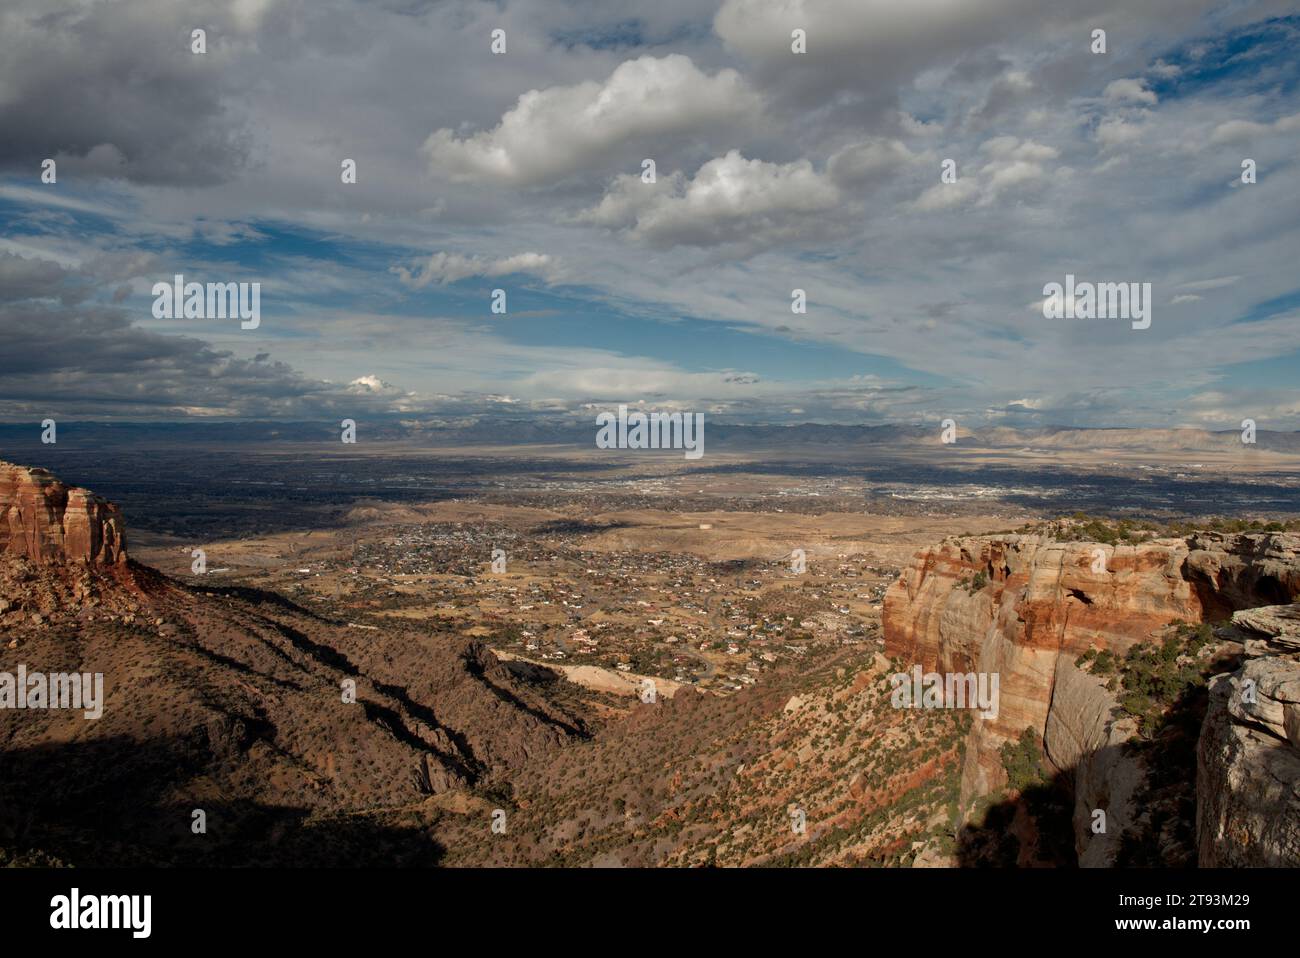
(302, 740)
(229, 700)
(46, 521)
(1248, 761)
(1028, 606)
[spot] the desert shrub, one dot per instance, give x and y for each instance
(1023, 761)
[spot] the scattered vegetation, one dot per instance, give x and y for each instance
(1128, 530)
(1152, 676)
(1161, 685)
(991, 840)
(1023, 761)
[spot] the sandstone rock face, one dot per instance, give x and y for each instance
(1271, 629)
(48, 522)
(1248, 756)
(1232, 572)
(1020, 605)
(1082, 737)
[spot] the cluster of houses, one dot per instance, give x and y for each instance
(542, 595)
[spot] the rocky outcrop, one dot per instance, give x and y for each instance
(285, 725)
(46, 521)
(1026, 606)
(1248, 756)
(1083, 738)
(1233, 572)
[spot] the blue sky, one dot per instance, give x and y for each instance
(775, 171)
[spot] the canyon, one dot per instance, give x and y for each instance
(1038, 610)
(229, 695)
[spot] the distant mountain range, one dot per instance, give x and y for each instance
(734, 436)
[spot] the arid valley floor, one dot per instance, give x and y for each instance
(563, 657)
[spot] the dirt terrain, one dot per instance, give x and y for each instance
(638, 667)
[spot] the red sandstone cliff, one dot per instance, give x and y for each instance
(1026, 606)
(47, 521)
(236, 696)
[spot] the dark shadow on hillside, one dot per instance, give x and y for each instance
(112, 803)
(474, 666)
(1167, 800)
(1162, 833)
(255, 597)
(577, 527)
(1033, 830)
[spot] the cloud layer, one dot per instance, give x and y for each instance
(775, 171)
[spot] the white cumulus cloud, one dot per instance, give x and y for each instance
(553, 133)
(730, 200)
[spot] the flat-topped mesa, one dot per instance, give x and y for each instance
(1022, 605)
(49, 522)
(1069, 596)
